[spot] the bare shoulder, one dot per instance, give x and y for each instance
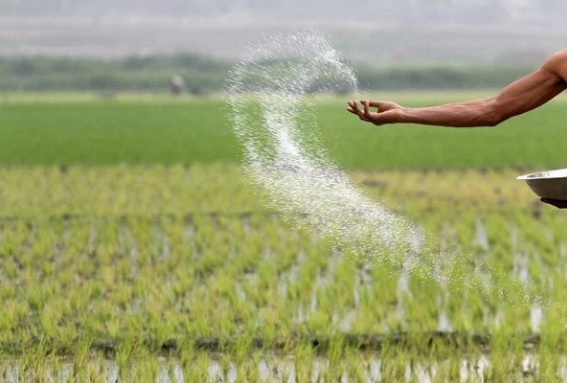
(557, 63)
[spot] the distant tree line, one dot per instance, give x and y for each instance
(205, 75)
(438, 77)
(149, 73)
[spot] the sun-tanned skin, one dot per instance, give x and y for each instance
(520, 97)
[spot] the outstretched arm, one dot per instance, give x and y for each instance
(519, 97)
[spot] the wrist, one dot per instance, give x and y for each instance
(397, 115)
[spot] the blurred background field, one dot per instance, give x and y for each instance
(134, 248)
(145, 129)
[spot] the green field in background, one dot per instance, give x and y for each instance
(163, 257)
(135, 129)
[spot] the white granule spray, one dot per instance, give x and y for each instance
(269, 92)
(269, 95)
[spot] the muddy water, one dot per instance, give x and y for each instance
(283, 369)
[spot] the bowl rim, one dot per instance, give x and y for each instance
(544, 175)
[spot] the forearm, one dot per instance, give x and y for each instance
(519, 97)
(467, 114)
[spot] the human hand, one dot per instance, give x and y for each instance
(558, 203)
(387, 112)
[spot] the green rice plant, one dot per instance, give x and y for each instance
(247, 370)
(196, 367)
(304, 359)
(97, 369)
(395, 365)
(355, 367)
(135, 277)
(448, 370)
(550, 365)
(81, 352)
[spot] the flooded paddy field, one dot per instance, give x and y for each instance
(175, 273)
(281, 368)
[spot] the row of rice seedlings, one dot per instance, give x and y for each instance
(303, 365)
(125, 190)
(436, 191)
(203, 367)
(254, 276)
(109, 287)
(222, 188)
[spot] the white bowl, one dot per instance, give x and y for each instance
(550, 184)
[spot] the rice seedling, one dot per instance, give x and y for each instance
(93, 276)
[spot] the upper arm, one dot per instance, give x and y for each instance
(534, 89)
(557, 64)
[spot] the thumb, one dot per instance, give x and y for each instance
(384, 106)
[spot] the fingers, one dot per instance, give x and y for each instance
(369, 103)
(383, 106)
(365, 114)
(354, 109)
(375, 104)
(353, 106)
(366, 109)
